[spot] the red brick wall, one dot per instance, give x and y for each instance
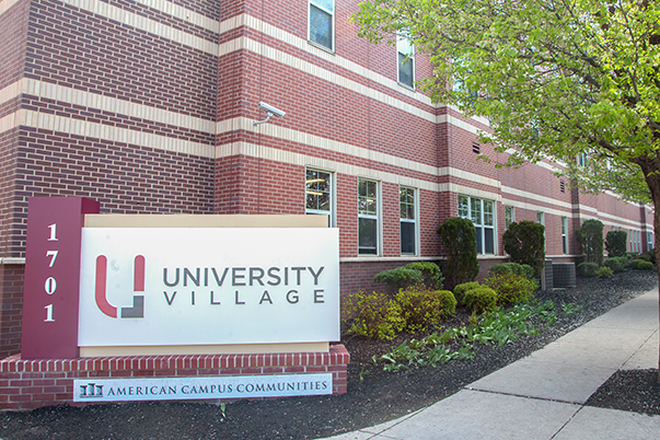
(33, 384)
(11, 306)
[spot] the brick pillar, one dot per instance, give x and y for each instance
(11, 306)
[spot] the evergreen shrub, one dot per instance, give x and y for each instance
(459, 291)
(525, 243)
(512, 268)
(590, 238)
(459, 243)
(617, 264)
(641, 264)
(615, 243)
(587, 269)
(481, 299)
(604, 272)
(424, 274)
(511, 288)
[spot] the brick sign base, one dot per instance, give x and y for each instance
(27, 384)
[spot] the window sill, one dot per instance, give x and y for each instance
(321, 47)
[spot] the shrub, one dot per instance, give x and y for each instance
(511, 288)
(419, 273)
(604, 272)
(459, 291)
(481, 299)
(648, 256)
(590, 238)
(423, 308)
(631, 255)
(459, 242)
(641, 264)
(512, 268)
(400, 277)
(617, 264)
(525, 243)
(587, 269)
(430, 271)
(375, 315)
(615, 243)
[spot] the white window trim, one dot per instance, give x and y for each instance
(483, 227)
(398, 65)
(415, 221)
(309, 27)
(378, 217)
(333, 197)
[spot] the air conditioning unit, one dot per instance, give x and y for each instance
(564, 275)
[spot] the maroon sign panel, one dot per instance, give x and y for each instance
(52, 276)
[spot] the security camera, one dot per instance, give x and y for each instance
(270, 109)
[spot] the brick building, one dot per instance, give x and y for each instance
(148, 106)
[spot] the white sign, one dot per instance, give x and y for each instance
(192, 388)
(189, 286)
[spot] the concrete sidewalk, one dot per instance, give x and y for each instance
(542, 396)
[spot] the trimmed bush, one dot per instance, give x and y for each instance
(617, 264)
(641, 264)
(511, 288)
(459, 243)
(424, 274)
(481, 299)
(525, 243)
(604, 272)
(512, 268)
(400, 277)
(648, 256)
(459, 291)
(615, 243)
(375, 315)
(587, 269)
(590, 238)
(421, 309)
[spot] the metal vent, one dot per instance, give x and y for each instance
(564, 275)
(476, 147)
(562, 187)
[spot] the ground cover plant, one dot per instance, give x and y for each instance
(374, 395)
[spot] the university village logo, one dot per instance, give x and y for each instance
(137, 311)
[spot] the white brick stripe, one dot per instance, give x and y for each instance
(182, 13)
(29, 118)
(144, 24)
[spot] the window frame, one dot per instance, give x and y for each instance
(414, 221)
(316, 4)
(509, 216)
(331, 191)
(481, 227)
(409, 56)
(564, 235)
(376, 217)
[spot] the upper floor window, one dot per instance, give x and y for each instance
(368, 211)
(322, 23)
(408, 210)
(482, 214)
(405, 60)
(318, 194)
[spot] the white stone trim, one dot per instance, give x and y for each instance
(144, 24)
(5, 5)
(535, 197)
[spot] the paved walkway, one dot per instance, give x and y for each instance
(542, 396)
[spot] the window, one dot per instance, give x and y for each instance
(564, 235)
(509, 216)
(367, 217)
(318, 194)
(582, 159)
(482, 214)
(321, 23)
(540, 218)
(408, 207)
(406, 61)
(649, 240)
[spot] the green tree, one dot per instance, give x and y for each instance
(557, 79)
